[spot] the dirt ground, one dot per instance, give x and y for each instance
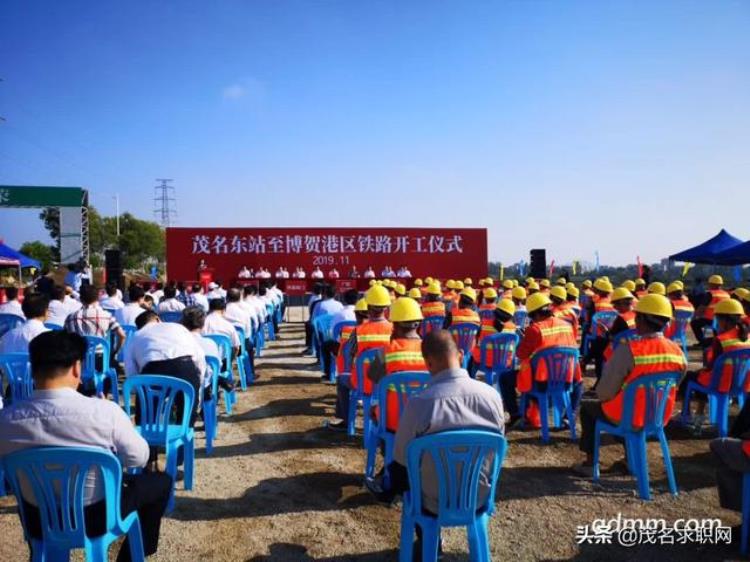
(279, 486)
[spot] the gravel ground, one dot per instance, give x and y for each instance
(279, 486)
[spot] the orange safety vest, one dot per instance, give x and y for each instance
(602, 304)
(683, 304)
(629, 318)
(400, 355)
(370, 335)
(555, 333)
(565, 312)
(717, 295)
(488, 329)
(346, 333)
(729, 341)
(433, 308)
(650, 355)
(461, 315)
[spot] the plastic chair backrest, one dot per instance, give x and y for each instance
(9, 322)
(625, 335)
(225, 348)
(486, 314)
(55, 477)
(465, 334)
(322, 327)
(655, 389)
(52, 326)
(338, 328)
(521, 319)
(18, 372)
(156, 396)
(365, 357)
(681, 321)
(242, 335)
(432, 323)
(603, 320)
(403, 385)
(458, 457)
(110, 311)
(503, 347)
(171, 316)
(214, 367)
(347, 353)
(560, 363)
(93, 345)
(739, 362)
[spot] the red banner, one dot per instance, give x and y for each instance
(438, 252)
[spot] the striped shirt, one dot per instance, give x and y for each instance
(91, 320)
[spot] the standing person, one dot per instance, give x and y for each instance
(58, 416)
(73, 278)
(329, 304)
(369, 273)
(35, 310)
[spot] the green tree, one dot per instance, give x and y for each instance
(39, 251)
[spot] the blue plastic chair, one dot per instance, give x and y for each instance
(175, 316)
(602, 320)
(465, 334)
(260, 340)
(244, 366)
(336, 336)
(48, 471)
(560, 363)
(210, 407)
(269, 323)
(681, 322)
(503, 348)
(155, 395)
(95, 344)
(458, 458)
(355, 395)
(225, 348)
(486, 314)
(17, 370)
(622, 337)
(129, 330)
(431, 323)
(403, 385)
(321, 325)
(521, 319)
(719, 401)
(53, 326)
(8, 322)
(745, 512)
(656, 389)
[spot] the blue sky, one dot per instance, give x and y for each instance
(622, 127)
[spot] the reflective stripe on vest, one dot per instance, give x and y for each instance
(465, 315)
(629, 318)
(404, 355)
(370, 335)
(717, 295)
(433, 308)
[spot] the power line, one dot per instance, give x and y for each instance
(164, 203)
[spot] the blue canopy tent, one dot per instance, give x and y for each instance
(736, 255)
(12, 255)
(708, 252)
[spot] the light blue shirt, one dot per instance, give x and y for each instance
(328, 306)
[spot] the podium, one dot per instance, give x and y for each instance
(205, 277)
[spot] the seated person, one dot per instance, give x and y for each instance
(17, 340)
(12, 305)
(170, 303)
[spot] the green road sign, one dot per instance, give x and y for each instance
(39, 196)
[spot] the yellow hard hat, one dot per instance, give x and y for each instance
(716, 280)
(561, 281)
(507, 306)
(378, 296)
(379, 283)
(400, 289)
(657, 288)
(490, 293)
(533, 285)
(405, 310)
(620, 294)
(559, 292)
(515, 282)
(450, 284)
(655, 305)
(481, 282)
(605, 278)
(640, 282)
(742, 294)
(373, 282)
(428, 280)
(730, 307)
(603, 285)
(629, 285)
(530, 280)
(470, 294)
(507, 284)
(570, 285)
(573, 292)
(459, 286)
(415, 293)
(545, 283)
(433, 289)
(586, 284)
(490, 281)
(418, 282)
(679, 283)
(674, 287)
(361, 305)
(468, 282)
(519, 293)
(537, 301)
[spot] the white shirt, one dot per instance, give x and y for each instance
(299, 274)
(157, 295)
(161, 341)
(72, 304)
(217, 324)
(346, 314)
(368, 274)
(112, 303)
(215, 294)
(170, 305)
(317, 274)
(404, 274)
(65, 418)
(237, 314)
(257, 307)
(126, 315)
(244, 273)
(201, 300)
(57, 312)
(12, 307)
(211, 350)
(17, 340)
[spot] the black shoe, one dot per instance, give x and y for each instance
(226, 384)
(338, 426)
(375, 487)
(180, 476)
(515, 422)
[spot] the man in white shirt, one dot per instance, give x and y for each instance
(126, 315)
(214, 292)
(317, 273)
(111, 301)
(170, 303)
(369, 273)
(238, 314)
(254, 305)
(12, 306)
(59, 416)
(58, 311)
(157, 293)
(71, 301)
(329, 305)
(300, 273)
(279, 273)
(244, 273)
(333, 274)
(194, 318)
(217, 324)
(17, 340)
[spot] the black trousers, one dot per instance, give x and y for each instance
(697, 324)
(146, 493)
(330, 349)
(308, 334)
(591, 411)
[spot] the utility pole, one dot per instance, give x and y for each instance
(116, 197)
(164, 203)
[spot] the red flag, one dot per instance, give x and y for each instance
(640, 266)
(552, 269)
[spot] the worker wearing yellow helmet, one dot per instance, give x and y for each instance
(518, 294)
(403, 353)
(561, 281)
(433, 304)
(465, 312)
(545, 331)
(489, 299)
(501, 322)
(600, 302)
(562, 309)
(468, 282)
(657, 288)
(623, 301)
(415, 293)
(532, 288)
(418, 282)
(629, 284)
(544, 286)
(373, 334)
(345, 332)
(489, 281)
(507, 286)
(640, 288)
(705, 304)
(681, 305)
(400, 290)
(647, 354)
(449, 293)
(573, 294)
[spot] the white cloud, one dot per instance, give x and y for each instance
(234, 92)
